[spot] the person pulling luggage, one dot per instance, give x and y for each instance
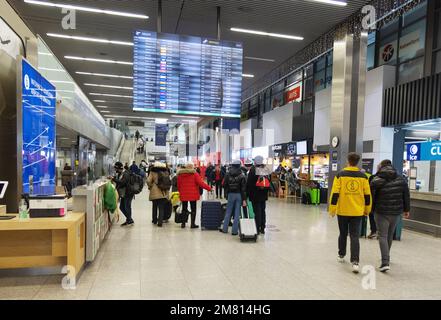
(235, 188)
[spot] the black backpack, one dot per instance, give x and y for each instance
(164, 181)
(136, 183)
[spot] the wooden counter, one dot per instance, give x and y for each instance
(43, 242)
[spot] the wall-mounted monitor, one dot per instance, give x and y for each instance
(302, 148)
(38, 122)
(187, 75)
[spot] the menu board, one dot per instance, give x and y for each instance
(187, 75)
(38, 116)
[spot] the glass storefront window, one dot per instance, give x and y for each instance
(297, 76)
(320, 64)
(370, 57)
(277, 100)
(330, 58)
(413, 15)
(387, 53)
(438, 29)
(390, 28)
(309, 88)
(329, 76)
(438, 62)
(411, 70)
(308, 71)
(319, 80)
(412, 41)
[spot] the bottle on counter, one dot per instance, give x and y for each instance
(24, 210)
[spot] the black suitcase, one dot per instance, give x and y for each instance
(306, 198)
(168, 209)
(211, 215)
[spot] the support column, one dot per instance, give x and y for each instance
(218, 25)
(398, 149)
(348, 100)
(159, 19)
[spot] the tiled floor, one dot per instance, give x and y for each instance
(295, 260)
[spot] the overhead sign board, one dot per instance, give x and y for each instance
(425, 151)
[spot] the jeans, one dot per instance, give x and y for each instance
(218, 189)
(386, 229)
(259, 207)
(158, 204)
(193, 210)
(233, 206)
(351, 225)
(126, 207)
(372, 223)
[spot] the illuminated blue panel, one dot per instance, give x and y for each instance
(187, 75)
(39, 149)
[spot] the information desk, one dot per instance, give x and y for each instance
(425, 213)
(43, 242)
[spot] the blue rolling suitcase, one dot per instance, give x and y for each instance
(211, 215)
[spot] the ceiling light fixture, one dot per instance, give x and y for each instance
(109, 95)
(98, 60)
(56, 35)
(107, 86)
(102, 107)
(104, 111)
(88, 9)
(45, 54)
(269, 34)
(260, 59)
(333, 2)
(103, 75)
(245, 75)
(51, 69)
(61, 81)
(101, 101)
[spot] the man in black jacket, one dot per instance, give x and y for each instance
(122, 181)
(391, 198)
(258, 195)
(235, 189)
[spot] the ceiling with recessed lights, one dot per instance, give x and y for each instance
(98, 53)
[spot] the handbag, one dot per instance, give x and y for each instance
(263, 182)
(180, 215)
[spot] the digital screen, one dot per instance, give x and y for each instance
(302, 148)
(187, 75)
(39, 144)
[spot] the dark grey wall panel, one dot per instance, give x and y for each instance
(414, 101)
(303, 127)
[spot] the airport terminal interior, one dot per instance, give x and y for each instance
(220, 150)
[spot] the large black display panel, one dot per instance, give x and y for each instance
(187, 75)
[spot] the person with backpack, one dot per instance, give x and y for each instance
(159, 184)
(258, 185)
(189, 182)
(235, 189)
(391, 198)
(350, 201)
(122, 179)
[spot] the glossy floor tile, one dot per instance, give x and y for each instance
(296, 259)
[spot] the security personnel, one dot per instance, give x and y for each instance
(350, 201)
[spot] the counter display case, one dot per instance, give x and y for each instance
(90, 199)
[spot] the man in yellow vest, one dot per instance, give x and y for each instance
(350, 201)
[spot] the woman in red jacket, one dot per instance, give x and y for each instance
(189, 182)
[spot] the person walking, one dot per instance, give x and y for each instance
(235, 189)
(257, 191)
(159, 184)
(189, 182)
(67, 176)
(350, 201)
(391, 198)
(218, 177)
(122, 181)
(134, 168)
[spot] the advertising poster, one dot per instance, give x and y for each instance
(410, 44)
(39, 149)
(294, 93)
(161, 132)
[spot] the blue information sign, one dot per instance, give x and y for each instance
(161, 135)
(425, 151)
(38, 116)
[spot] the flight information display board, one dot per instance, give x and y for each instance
(187, 75)
(38, 116)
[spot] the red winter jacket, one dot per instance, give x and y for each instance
(189, 182)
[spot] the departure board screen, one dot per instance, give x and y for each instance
(187, 75)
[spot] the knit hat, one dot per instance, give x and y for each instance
(258, 160)
(237, 163)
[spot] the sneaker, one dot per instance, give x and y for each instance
(384, 268)
(235, 234)
(372, 235)
(183, 225)
(195, 226)
(160, 225)
(128, 224)
(355, 268)
(341, 259)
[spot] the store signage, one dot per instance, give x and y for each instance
(10, 42)
(291, 149)
(426, 151)
(409, 45)
(368, 165)
(161, 135)
(294, 93)
(388, 53)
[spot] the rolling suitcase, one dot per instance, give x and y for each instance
(211, 215)
(247, 228)
(315, 196)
